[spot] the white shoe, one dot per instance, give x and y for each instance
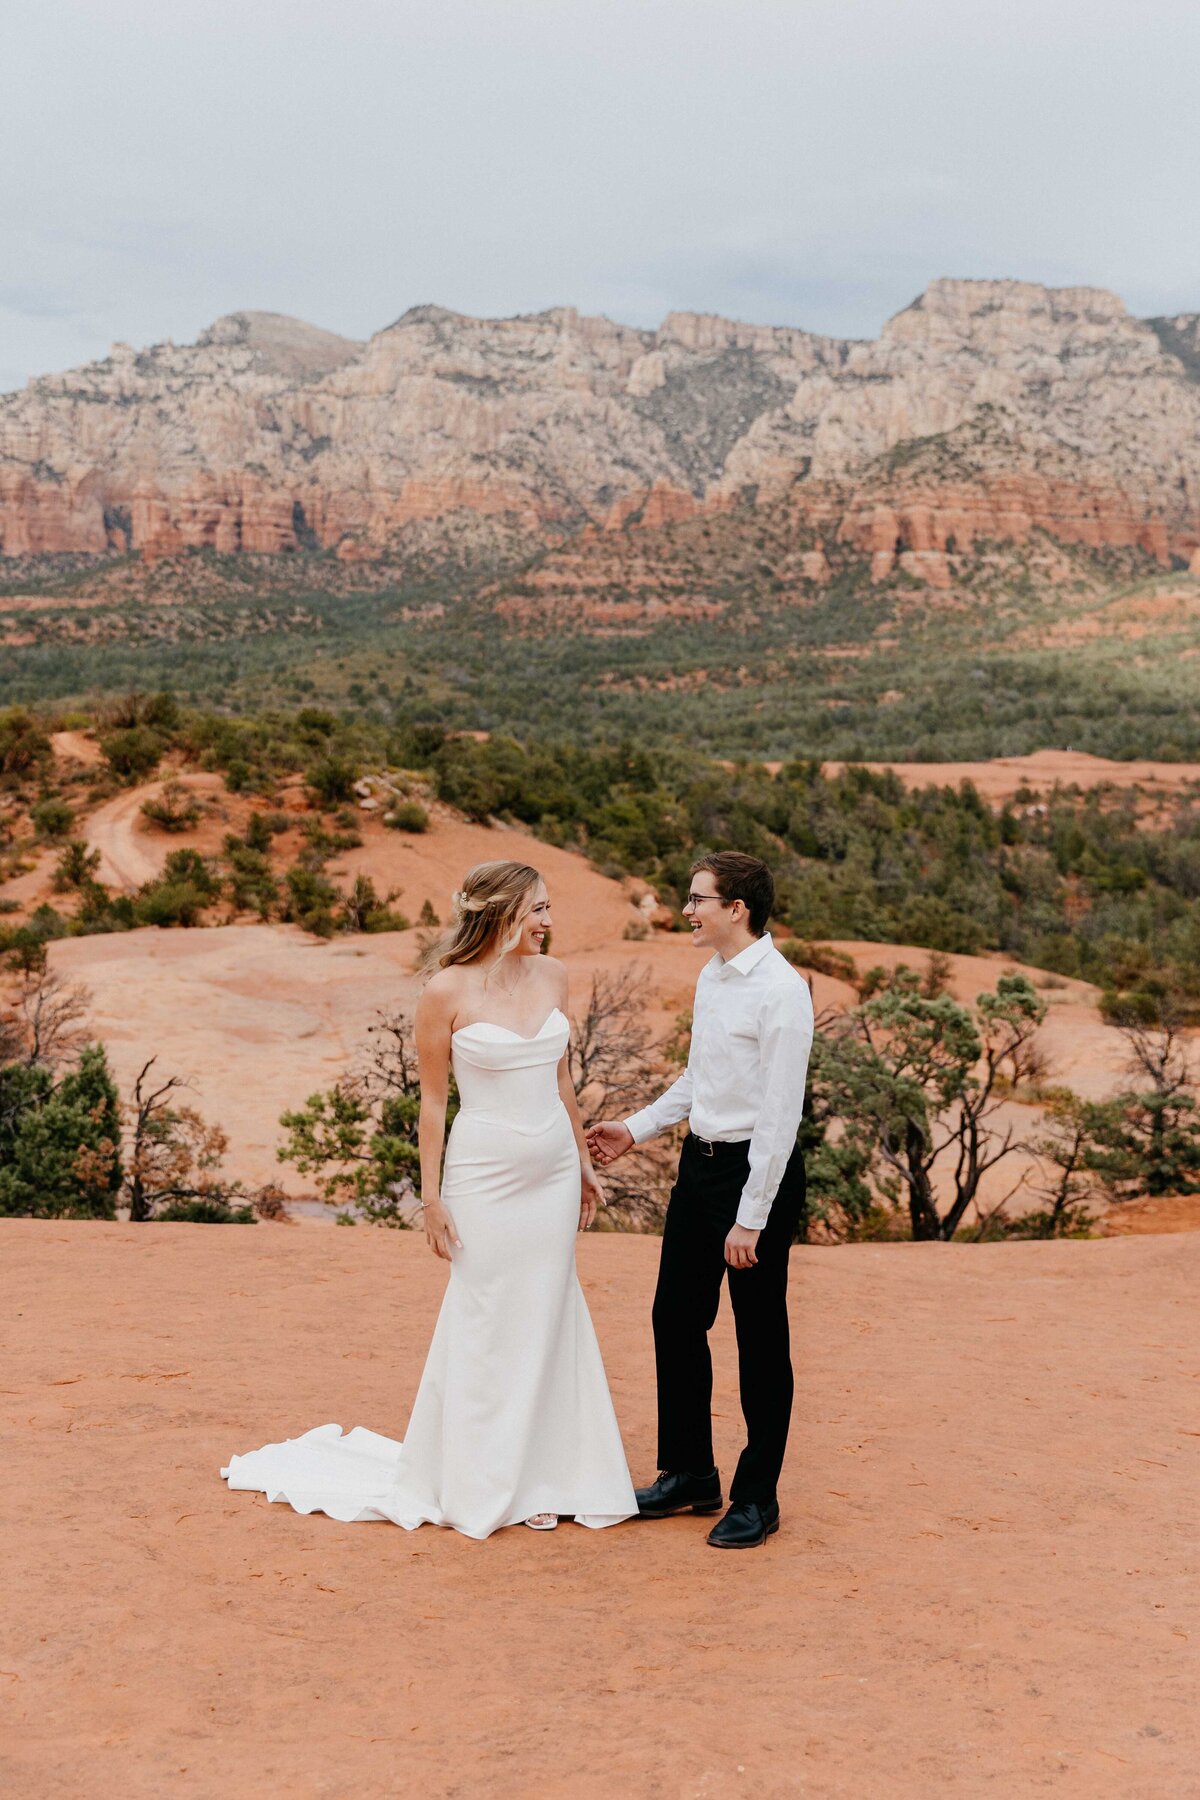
(542, 1521)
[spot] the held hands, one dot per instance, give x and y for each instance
(607, 1140)
(440, 1232)
(740, 1247)
(591, 1197)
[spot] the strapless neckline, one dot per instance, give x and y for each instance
(492, 1025)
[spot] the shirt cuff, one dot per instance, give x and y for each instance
(752, 1215)
(641, 1125)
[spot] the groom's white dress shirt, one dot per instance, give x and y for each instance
(752, 1031)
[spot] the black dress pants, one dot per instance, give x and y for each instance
(702, 1208)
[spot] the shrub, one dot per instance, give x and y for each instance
(162, 710)
(52, 818)
(823, 959)
(75, 867)
(407, 815)
(414, 745)
(169, 903)
(258, 833)
(207, 1212)
(133, 753)
(24, 746)
(310, 901)
(60, 1140)
(190, 866)
(363, 910)
(322, 844)
(174, 809)
(252, 885)
(24, 950)
(332, 780)
(314, 723)
(174, 1159)
(358, 1139)
(927, 919)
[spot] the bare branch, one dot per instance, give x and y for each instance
(49, 1017)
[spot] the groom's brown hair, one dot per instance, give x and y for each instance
(742, 878)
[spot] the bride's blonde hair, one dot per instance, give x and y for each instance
(487, 909)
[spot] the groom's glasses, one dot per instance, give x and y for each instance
(699, 899)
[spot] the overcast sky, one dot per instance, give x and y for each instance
(811, 162)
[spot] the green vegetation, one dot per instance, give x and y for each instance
(254, 755)
(1075, 886)
(358, 1139)
(407, 815)
(60, 1136)
(174, 1163)
(1078, 885)
(1149, 1138)
(71, 1149)
(718, 643)
(52, 818)
(905, 1081)
(621, 768)
(909, 1081)
(174, 809)
(60, 1119)
(25, 749)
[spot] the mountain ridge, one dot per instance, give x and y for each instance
(1058, 409)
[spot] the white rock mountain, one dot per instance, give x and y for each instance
(985, 409)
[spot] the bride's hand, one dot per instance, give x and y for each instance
(440, 1232)
(591, 1197)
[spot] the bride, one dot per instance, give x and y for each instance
(512, 1421)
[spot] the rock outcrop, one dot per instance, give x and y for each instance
(984, 410)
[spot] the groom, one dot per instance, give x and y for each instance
(736, 1202)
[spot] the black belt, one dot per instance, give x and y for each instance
(715, 1147)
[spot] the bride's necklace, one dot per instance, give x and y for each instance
(508, 991)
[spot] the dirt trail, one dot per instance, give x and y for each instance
(984, 1584)
(130, 854)
(30, 889)
(77, 747)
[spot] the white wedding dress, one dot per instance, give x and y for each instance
(513, 1415)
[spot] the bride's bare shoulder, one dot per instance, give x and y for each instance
(555, 973)
(441, 991)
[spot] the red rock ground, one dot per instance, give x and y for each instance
(1000, 779)
(984, 1584)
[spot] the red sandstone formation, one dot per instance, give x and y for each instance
(986, 410)
(924, 524)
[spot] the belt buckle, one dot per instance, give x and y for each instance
(706, 1148)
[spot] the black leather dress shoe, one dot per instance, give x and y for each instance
(680, 1493)
(744, 1526)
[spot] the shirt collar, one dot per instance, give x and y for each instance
(750, 957)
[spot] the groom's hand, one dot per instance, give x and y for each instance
(740, 1248)
(608, 1140)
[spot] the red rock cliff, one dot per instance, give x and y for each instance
(985, 410)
